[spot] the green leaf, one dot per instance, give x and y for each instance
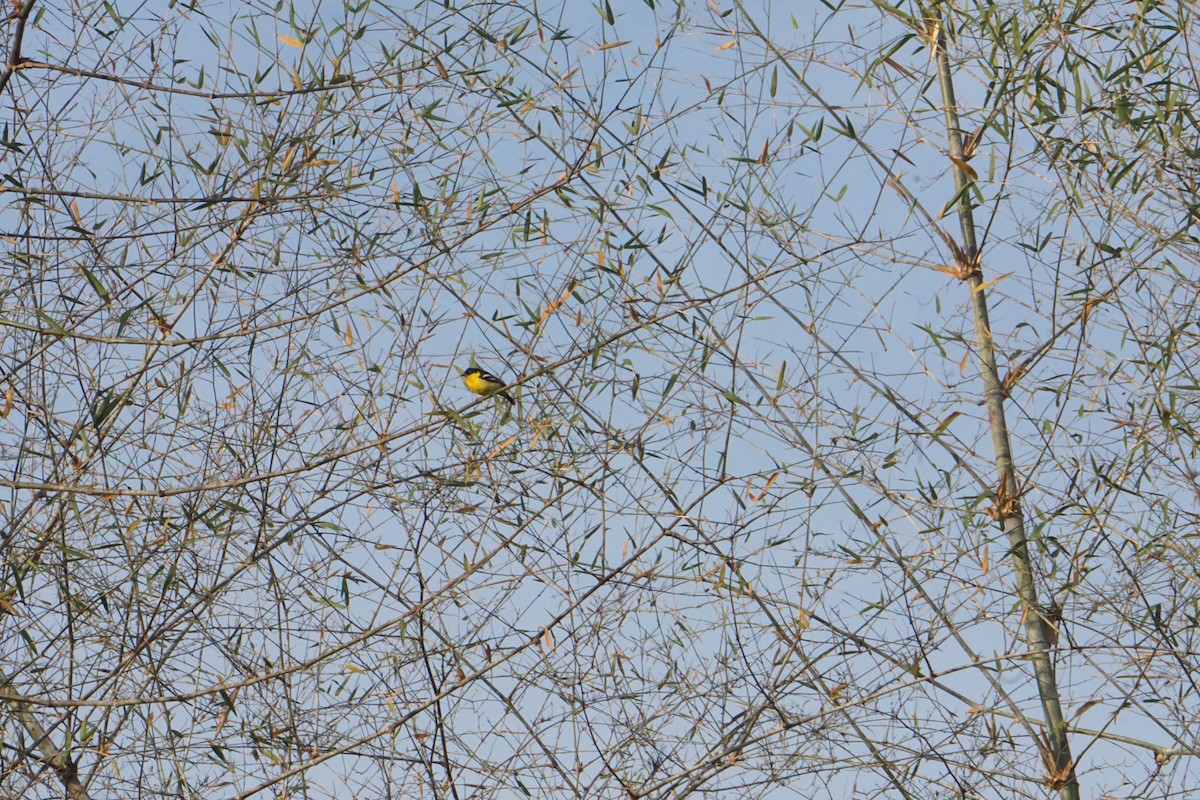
(670, 385)
(97, 286)
(53, 324)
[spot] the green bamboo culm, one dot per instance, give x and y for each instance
(1059, 765)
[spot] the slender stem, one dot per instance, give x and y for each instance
(1008, 510)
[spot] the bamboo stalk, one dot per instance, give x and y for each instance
(1060, 767)
(59, 760)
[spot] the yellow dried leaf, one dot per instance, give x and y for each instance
(971, 144)
(291, 41)
(898, 67)
(754, 498)
(1084, 708)
(993, 282)
(6, 598)
(500, 448)
(953, 272)
(967, 169)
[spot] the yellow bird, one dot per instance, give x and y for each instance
(485, 384)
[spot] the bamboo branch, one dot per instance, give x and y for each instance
(15, 61)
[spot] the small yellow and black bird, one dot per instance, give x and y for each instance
(485, 384)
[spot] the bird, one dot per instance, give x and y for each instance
(485, 384)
